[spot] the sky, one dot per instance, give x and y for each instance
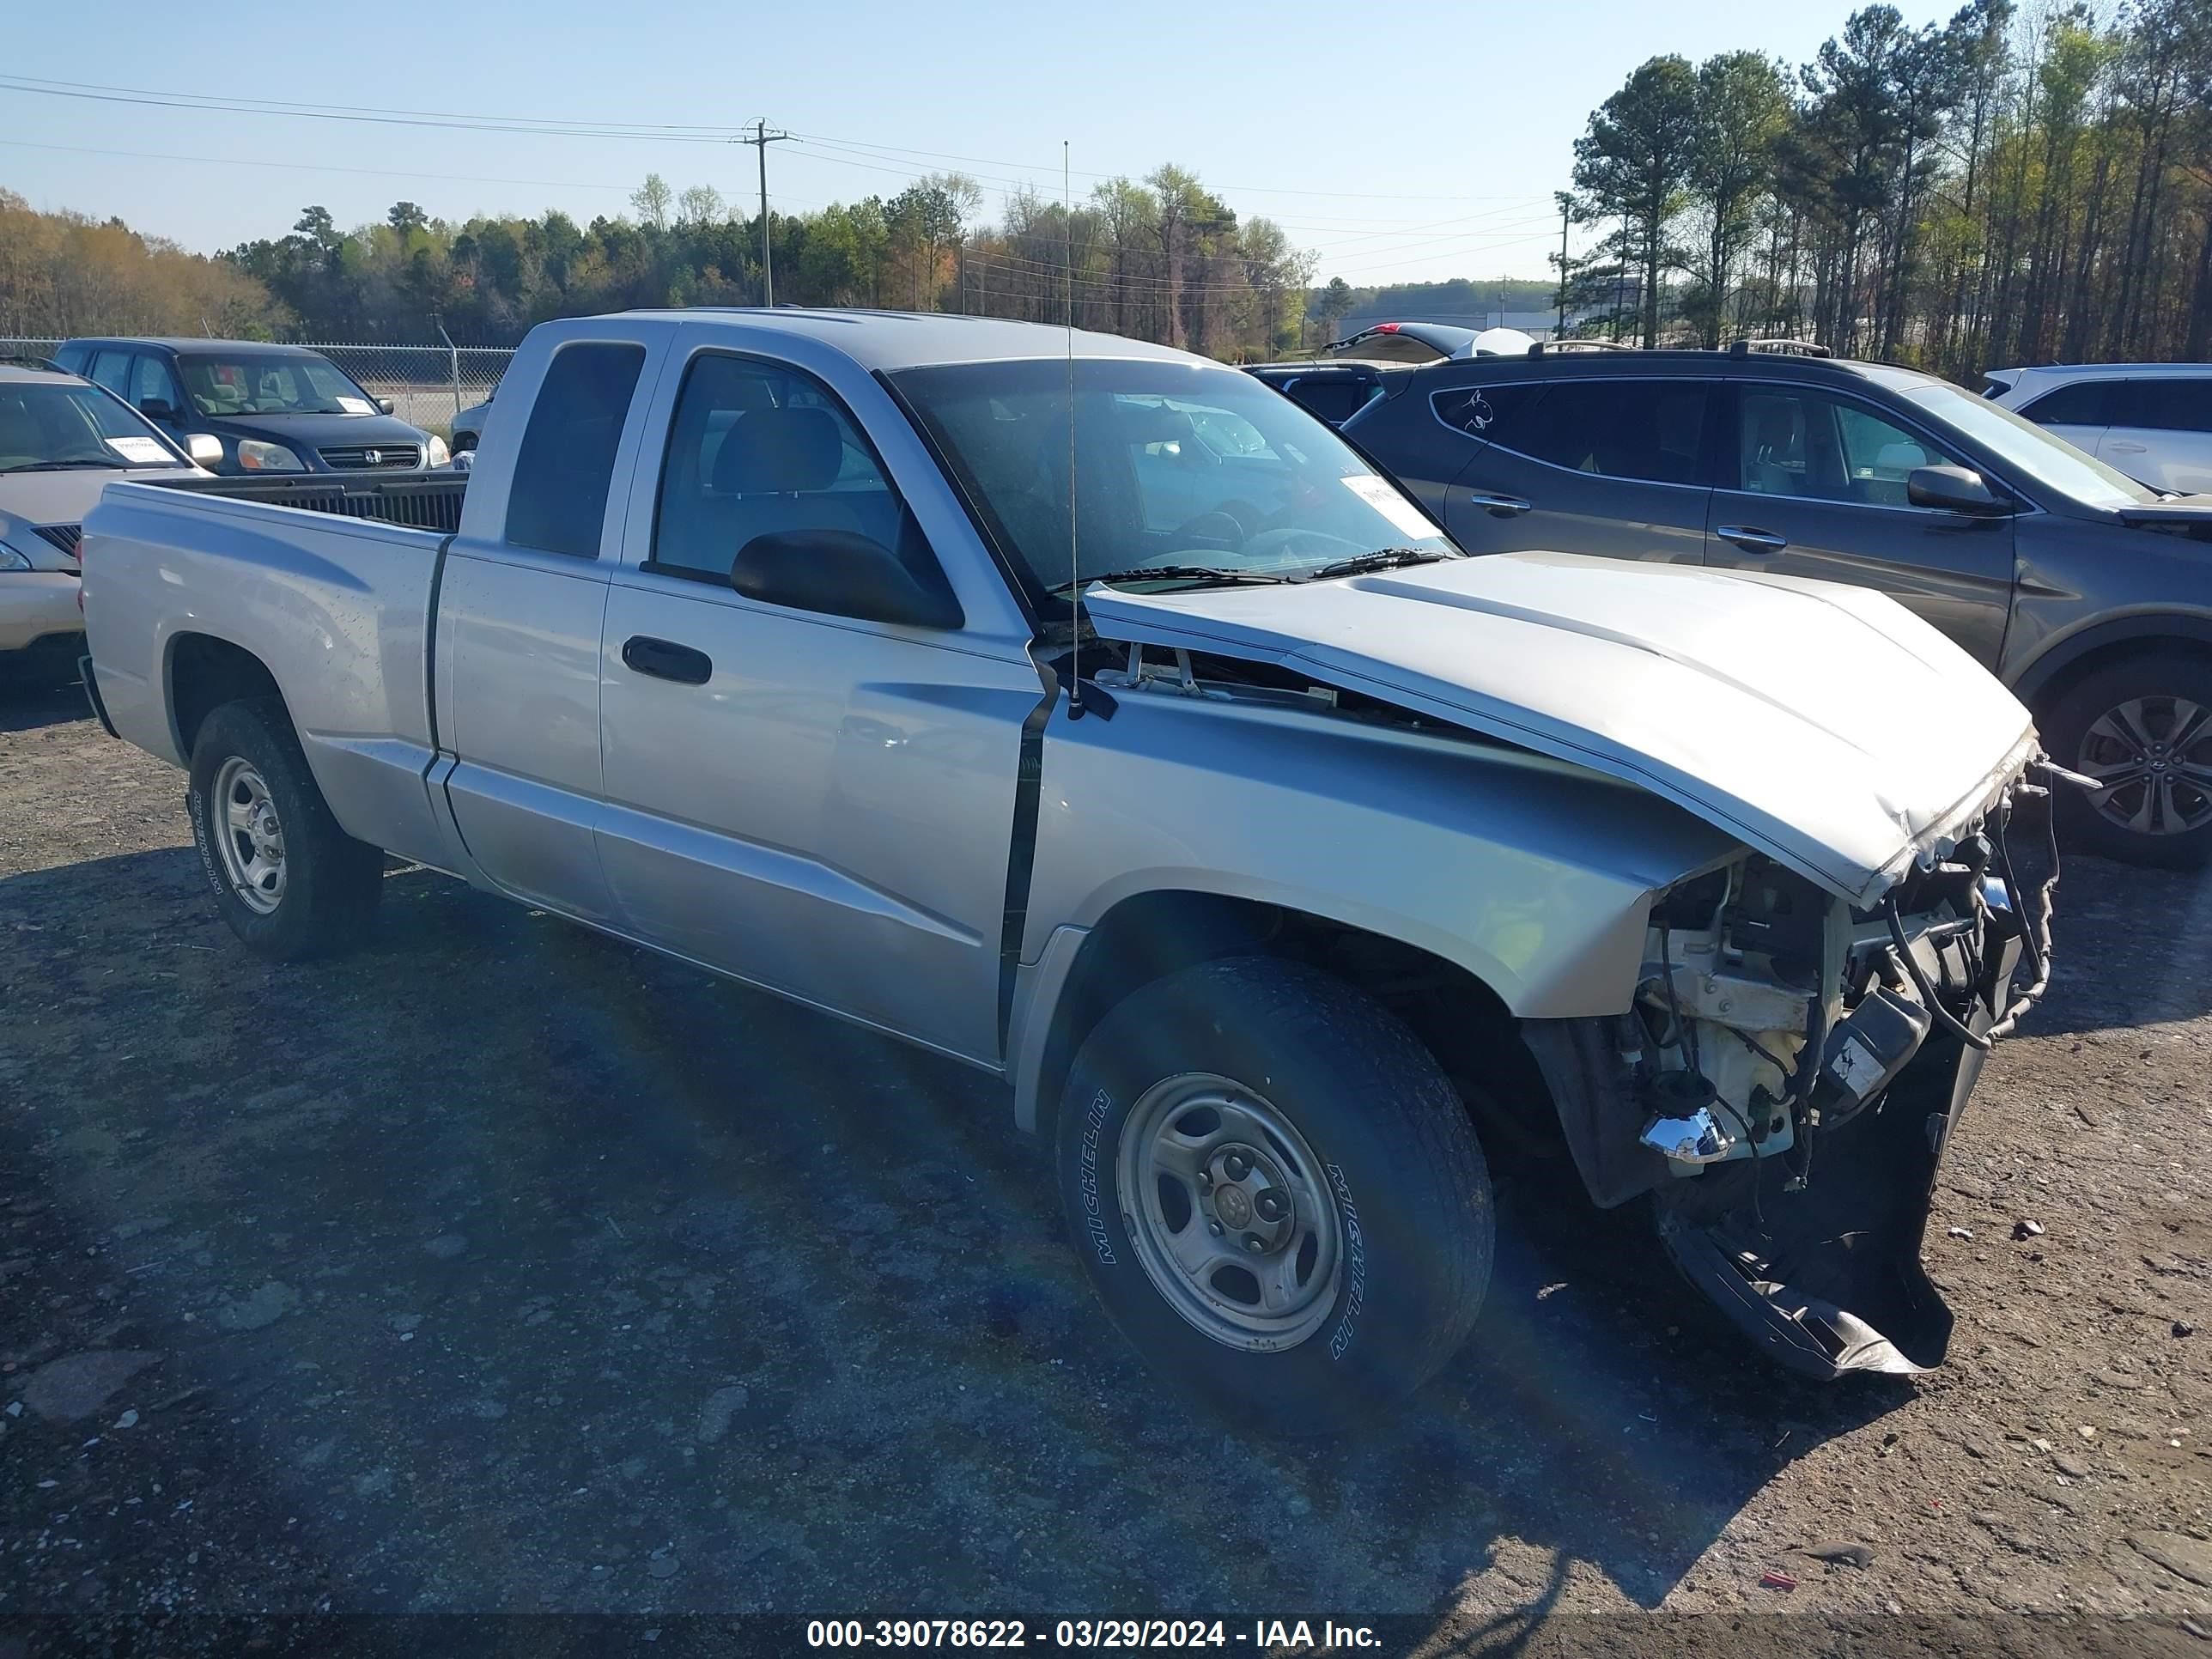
(1420, 147)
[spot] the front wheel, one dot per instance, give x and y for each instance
(1276, 1191)
(289, 882)
(2142, 728)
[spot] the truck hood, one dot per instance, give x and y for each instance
(1827, 727)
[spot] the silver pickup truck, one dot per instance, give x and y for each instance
(1092, 714)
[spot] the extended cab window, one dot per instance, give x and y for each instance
(758, 450)
(558, 501)
(1646, 430)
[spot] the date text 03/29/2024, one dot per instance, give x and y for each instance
(1262, 1635)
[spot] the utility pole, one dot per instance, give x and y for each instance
(1566, 213)
(761, 140)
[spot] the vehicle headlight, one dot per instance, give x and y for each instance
(438, 453)
(255, 456)
(11, 560)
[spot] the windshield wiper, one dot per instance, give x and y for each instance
(1382, 558)
(1193, 572)
(62, 466)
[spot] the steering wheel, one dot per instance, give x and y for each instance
(1217, 528)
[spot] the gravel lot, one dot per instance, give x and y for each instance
(502, 1266)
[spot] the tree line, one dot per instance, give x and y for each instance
(63, 273)
(2005, 187)
(1161, 258)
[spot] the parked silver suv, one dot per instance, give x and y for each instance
(2152, 421)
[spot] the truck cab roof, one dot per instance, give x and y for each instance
(893, 340)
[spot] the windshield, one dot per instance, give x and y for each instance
(1188, 466)
(267, 383)
(2046, 458)
(49, 427)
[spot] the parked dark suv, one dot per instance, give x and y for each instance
(248, 407)
(2087, 592)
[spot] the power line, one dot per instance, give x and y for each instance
(210, 106)
(307, 166)
(280, 106)
(652, 132)
(865, 147)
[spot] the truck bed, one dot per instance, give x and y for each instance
(418, 500)
(326, 582)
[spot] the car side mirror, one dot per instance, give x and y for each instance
(1952, 489)
(841, 573)
(386, 406)
(205, 447)
(156, 409)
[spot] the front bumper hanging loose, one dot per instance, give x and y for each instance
(1825, 1274)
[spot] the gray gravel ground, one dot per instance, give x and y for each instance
(502, 1266)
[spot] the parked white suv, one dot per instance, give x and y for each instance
(2150, 421)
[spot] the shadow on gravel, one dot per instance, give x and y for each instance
(502, 1266)
(2134, 948)
(30, 698)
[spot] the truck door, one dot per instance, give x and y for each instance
(818, 803)
(517, 656)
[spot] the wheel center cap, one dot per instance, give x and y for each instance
(1234, 1206)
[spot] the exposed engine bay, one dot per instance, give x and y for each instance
(1795, 1066)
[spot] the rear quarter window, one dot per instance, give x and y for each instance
(1489, 412)
(1646, 431)
(2082, 403)
(557, 502)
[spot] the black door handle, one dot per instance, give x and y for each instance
(1498, 505)
(1752, 540)
(665, 660)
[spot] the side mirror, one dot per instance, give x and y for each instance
(386, 406)
(841, 573)
(205, 447)
(1952, 490)
(156, 409)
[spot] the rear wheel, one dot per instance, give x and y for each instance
(1276, 1191)
(2142, 728)
(287, 880)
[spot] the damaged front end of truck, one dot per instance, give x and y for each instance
(1791, 1073)
(1782, 1069)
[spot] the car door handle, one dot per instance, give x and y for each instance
(1502, 507)
(2120, 448)
(665, 660)
(1751, 540)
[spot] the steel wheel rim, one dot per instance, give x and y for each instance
(1228, 1212)
(2152, 758)
(250, 837)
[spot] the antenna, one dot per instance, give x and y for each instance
(1074, 592)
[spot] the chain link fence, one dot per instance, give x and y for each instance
(428, 385)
